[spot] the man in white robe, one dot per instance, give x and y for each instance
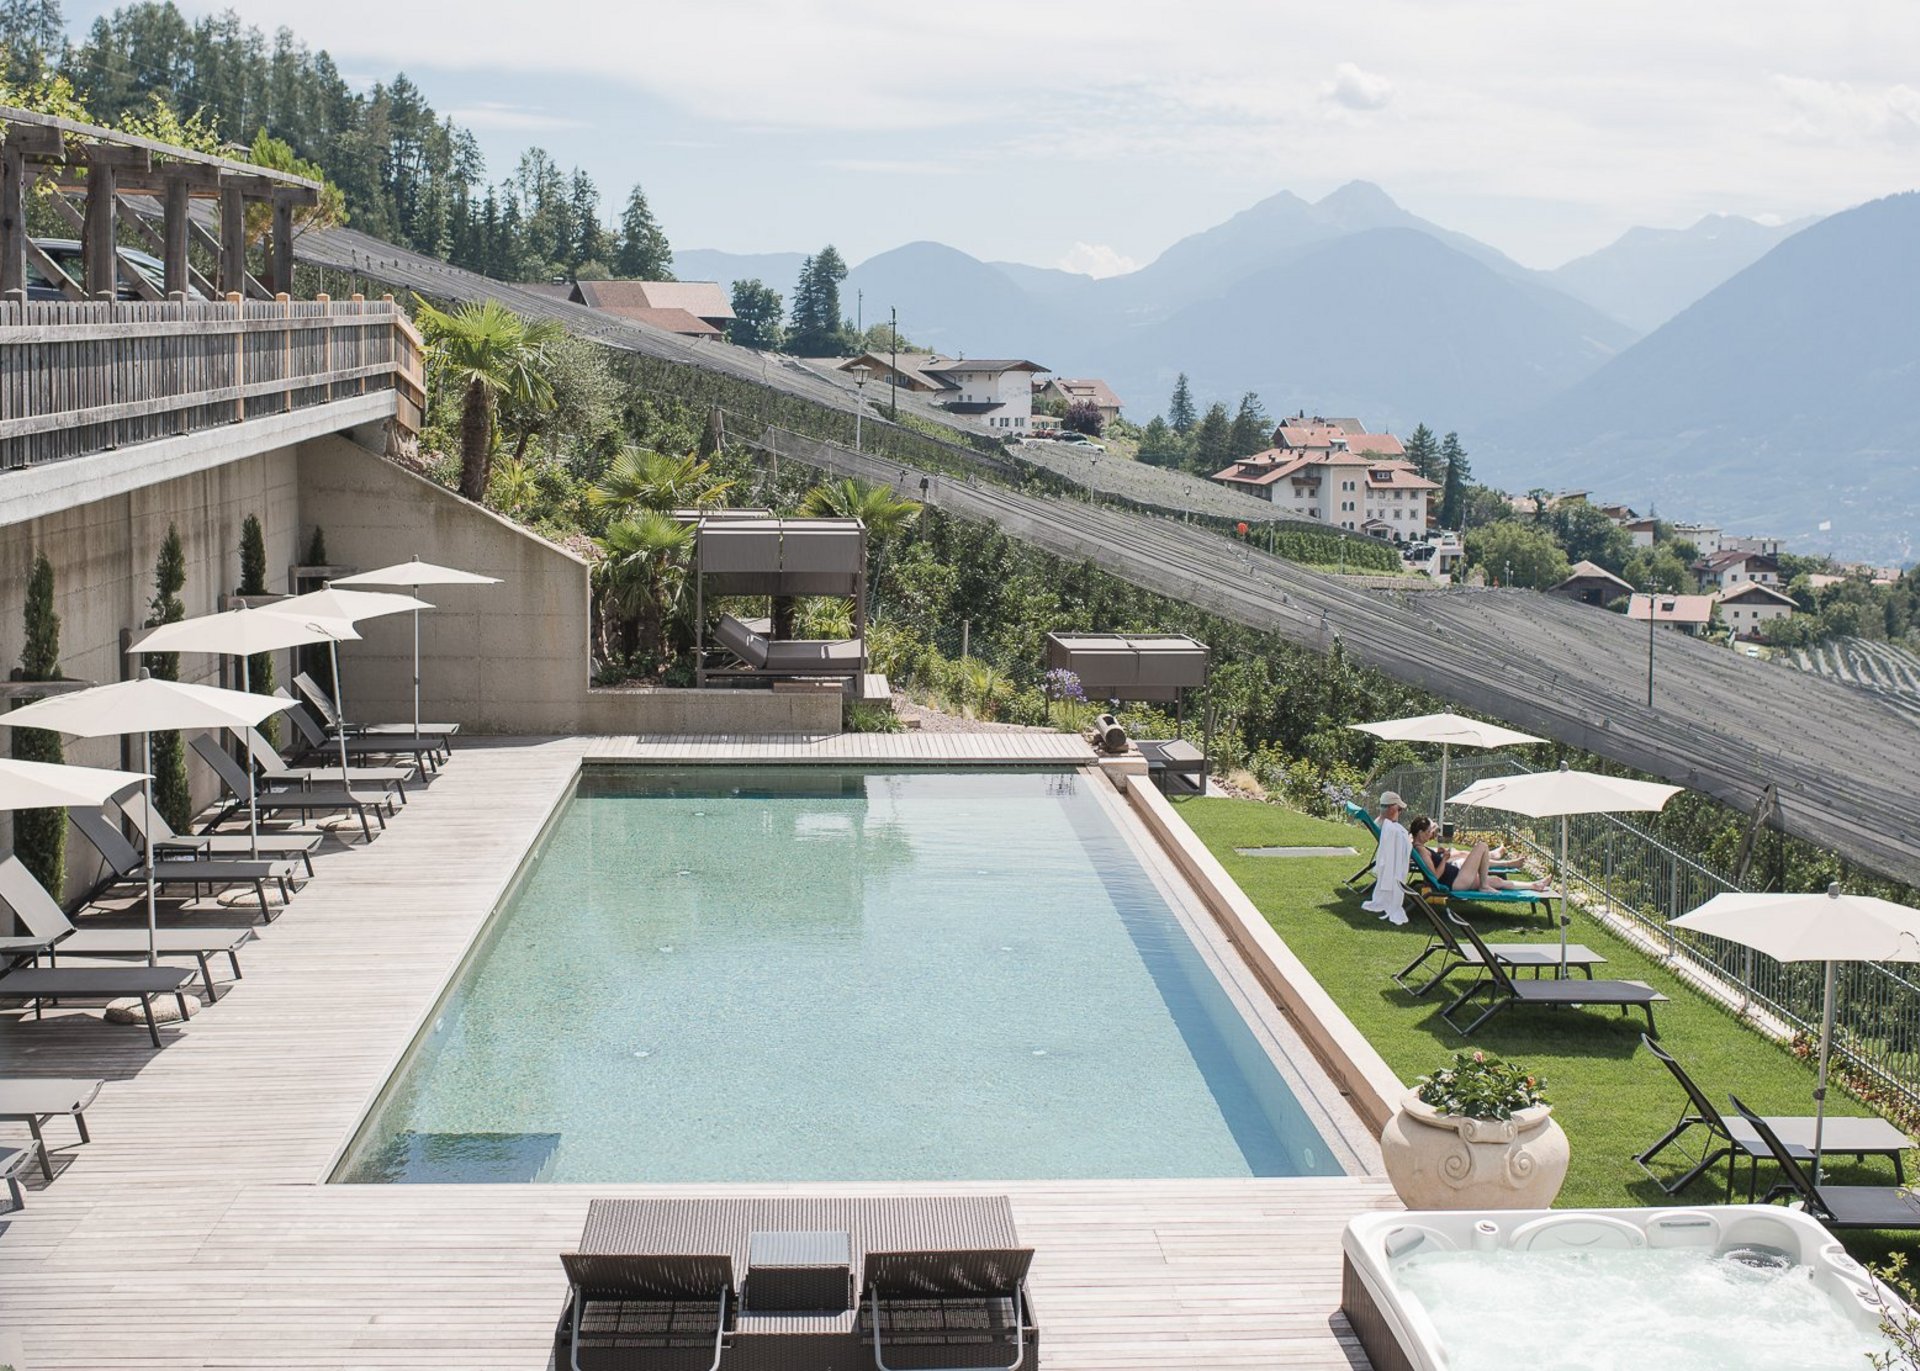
(1390, 863)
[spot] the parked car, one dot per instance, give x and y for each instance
(1067, 435)
(66, 255)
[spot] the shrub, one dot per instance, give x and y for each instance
(868, 716)
(40, 835)
(170, 794)
(1480, 1086)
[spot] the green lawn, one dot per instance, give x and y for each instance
(1611, 1096)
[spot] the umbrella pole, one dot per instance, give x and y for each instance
(339, 708)
(416, 666)
(153, 908)
(253, 787)
(1565, 904)
(1441, 808)
(1820, 1089)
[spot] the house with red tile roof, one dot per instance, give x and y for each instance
(1081, 390)
(698, 309)
(1381, 496)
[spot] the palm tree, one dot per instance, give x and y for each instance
(489, 351)
(641, 575)
(884, 513)
(642, 479)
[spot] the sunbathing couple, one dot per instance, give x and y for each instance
(1464, 869)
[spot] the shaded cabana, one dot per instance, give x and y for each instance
(1143, 668)
(780, 558)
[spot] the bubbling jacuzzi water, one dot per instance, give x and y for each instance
(1681, 1309)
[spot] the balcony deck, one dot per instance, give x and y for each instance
(195, 1230)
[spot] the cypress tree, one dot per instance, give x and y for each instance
(1453, 493)
(170, 794)
(1180, 412)
(40, 835)
(253, 581)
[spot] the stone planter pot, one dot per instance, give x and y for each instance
(1439, 1161)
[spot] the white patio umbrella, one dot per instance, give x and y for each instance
(413, 575)
(241, 633)
(1825, 927)
(145, 706)
(349, 606)
(1557, 794)
(1450, 730)
(51, 785)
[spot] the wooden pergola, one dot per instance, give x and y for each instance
(88, 174)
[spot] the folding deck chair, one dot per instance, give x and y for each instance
(305, 801)
(1503, 990)
(32, 1100)
(1454, 955)
(51, 935)
(323, 705)
(1837, 1206)
(129, 867)
(319, 747)
(282, 844)
(1441, 891)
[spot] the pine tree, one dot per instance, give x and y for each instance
(1180, 412)
(40, 835)
(644, 253)
(1213, 441)
(253, 581)
(757, 309)
(170, 794)
(1251, 428)
(1458, 472)
(817, 330)
(1423, 450)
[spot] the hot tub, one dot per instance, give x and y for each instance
(1607, 1290)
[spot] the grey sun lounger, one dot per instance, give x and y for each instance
(1503, 990)
(129, 867)
(799, 1283)
(32, 1100)
(329, 713)
(42, 985)
(13, 1160)
(1455, 955)
(319, 746)
(275, 770)
(51, 935)
(795, 657)
(1731, 1139)
(282, 844)
(1836, 1206)
(305, 801)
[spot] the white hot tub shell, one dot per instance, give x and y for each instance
(1398, 1335)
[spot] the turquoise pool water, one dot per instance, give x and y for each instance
(809, 974)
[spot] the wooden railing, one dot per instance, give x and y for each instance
(83, 378)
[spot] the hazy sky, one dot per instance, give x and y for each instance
(1093, 135)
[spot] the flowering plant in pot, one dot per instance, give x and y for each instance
(1477, 1133)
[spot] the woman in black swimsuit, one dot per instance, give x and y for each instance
(1462, 871)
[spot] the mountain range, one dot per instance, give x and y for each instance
(1712, 370)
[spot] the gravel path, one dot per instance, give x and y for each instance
(933, 721)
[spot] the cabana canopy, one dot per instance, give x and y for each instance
(782, 556)
(1148, 667)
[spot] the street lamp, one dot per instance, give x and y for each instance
(1654, 607)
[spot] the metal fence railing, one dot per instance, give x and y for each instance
(1618, 868)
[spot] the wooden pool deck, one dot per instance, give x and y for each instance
(195, 1230)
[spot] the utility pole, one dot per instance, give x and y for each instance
(1653, 610)
(893, 400)
(860, 379)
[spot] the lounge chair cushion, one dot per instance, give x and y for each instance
(742, 642)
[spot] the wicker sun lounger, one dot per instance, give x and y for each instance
(1837, 1206)
(283, 844)
(1503, 990)
(943, 1285)
(1454, 955)
(305, 801)
(51, 935)
(32, 1100)
(41, 985)
(128, 867)
(1734, 1138)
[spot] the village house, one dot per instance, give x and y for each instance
(1749, 608)
(996, 391)
(1726, 569)
(1591, 584)
(1687, 613)
(693, 309)
(1075, 390)
(1346, 479)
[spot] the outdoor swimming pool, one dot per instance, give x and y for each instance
(809, 974)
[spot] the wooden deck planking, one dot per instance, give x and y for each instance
(193, 1231)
